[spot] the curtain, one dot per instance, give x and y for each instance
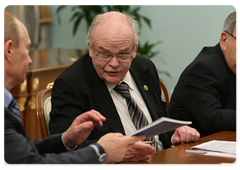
(36, 18)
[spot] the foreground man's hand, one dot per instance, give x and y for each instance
(117, 145)
(82, 127)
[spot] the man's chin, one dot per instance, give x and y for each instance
(113, 80)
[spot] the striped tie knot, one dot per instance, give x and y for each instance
(123, 90)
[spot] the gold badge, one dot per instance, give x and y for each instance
(145, 87)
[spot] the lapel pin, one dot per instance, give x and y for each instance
(145, 87)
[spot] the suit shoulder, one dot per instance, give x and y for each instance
(77, 67)
(141, 59)
(142, 62)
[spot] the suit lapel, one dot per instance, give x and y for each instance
(143, 81)
(103, 99)
(142, 78)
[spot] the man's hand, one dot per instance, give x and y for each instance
(185, 134)
(139, 152)
(116, 145)
(82, 127)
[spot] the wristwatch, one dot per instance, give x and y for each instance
(102, 156)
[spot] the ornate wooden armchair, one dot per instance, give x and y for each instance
(43, 108)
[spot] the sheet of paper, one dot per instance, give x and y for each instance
(229, 155)
(160, 126)
(218, 146)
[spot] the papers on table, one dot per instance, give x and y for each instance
(218, 146)
(160, 126)
(229, 155)
(215, 148)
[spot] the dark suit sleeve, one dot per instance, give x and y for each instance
(68, 103)
(18, 147)
(65, 105)
(52, 144)
(200, 92)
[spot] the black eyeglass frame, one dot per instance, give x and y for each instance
(231, 35)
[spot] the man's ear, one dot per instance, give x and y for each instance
(135, 50)
(8, 49)
(90, 49)
(223, 42)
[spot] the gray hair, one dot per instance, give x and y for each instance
(229, 23)
(130, 18)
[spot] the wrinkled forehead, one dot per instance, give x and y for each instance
(115, 32)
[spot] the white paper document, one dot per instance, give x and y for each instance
(221, 154)
(160, 126)
(218, 146)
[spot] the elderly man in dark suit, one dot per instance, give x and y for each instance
(18, 147)
(90, 83)
(206, 91)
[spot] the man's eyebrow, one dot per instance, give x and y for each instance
(102, 48)
(124, 49)
(120, 50)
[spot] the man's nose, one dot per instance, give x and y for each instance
(114, 62)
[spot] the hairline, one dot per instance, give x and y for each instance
(230, 23)
(130, 18)
(15, 23)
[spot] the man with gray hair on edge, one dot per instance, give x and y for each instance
(206, 91)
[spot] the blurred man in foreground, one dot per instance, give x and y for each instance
(18, 147)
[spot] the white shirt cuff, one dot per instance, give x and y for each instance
(67, 148)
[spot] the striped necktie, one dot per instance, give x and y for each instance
(136, 114)
(13, 106)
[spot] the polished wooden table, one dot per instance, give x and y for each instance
(178, 154)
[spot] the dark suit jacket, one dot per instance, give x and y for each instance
(79, 89)
(19, 148)
(206, 93)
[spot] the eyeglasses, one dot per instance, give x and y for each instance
(109, 56)
(231, 35)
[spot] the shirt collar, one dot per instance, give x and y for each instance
(127, 79)
(7, 97)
